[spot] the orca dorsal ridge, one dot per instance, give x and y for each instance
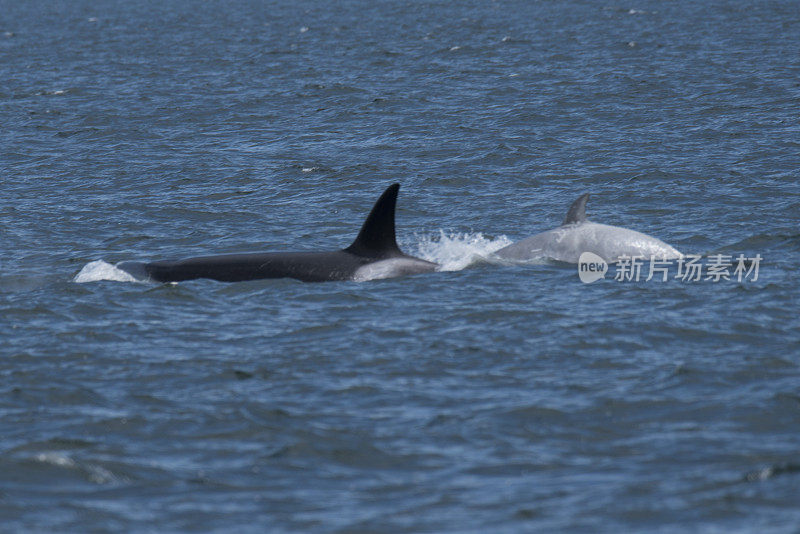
(377, 235)
(577, 211)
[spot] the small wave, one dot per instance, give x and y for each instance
(772, 471)
(455, 251)
(777, 240)
(94, 271)
(53, 92)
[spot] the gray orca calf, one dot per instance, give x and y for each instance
(374, 254)
(577, 235)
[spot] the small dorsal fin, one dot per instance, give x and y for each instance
(577, 212)
(377, 237)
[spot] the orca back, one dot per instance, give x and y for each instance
(375, 244)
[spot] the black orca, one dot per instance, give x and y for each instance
(374, 254)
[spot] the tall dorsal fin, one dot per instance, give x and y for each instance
(377, 237)
(577, 212)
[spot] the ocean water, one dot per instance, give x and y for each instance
(488, 397)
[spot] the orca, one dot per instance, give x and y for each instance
(577, 235)
(373, 255)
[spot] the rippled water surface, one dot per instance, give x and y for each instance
(488, 397)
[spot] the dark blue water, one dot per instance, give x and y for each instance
(486, 397)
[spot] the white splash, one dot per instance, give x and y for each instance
(455, 251)
(95, 473)
(95, 271)
(54, 458)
